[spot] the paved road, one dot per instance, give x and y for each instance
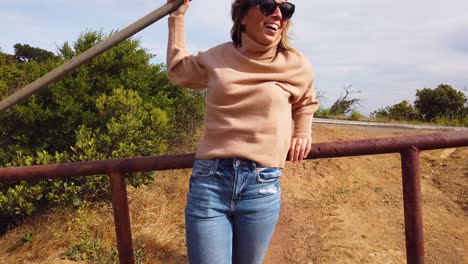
(375, 124)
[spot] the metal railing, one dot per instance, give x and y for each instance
(409, 148)
(88, 55)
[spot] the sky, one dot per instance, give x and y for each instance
(386, 50)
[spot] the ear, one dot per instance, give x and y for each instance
(243, 21)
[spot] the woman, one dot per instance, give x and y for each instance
(258, 88)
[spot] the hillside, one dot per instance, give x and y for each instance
(350, 210)
(346, 210)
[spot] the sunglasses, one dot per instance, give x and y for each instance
(268, 7)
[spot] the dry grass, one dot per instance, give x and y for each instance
(334, 211)
(157, 218)
(88, 233)
(50, 233)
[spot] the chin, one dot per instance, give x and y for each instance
(271, 40)
(267, 40)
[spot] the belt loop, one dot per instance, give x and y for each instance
(216, 164)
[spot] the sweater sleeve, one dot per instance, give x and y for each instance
(183, 68)
(303, 111)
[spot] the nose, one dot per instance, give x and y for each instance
(277, 13)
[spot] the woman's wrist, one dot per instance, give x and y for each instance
(173, 14)
(181, 10)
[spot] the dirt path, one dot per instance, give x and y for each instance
(344, 210)
(350, 210)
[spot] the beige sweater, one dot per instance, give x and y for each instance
(254, 95)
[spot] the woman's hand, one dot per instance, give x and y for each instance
(181, 10)
(299, 148)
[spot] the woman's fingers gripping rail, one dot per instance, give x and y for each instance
(299, 149)
(182, 9)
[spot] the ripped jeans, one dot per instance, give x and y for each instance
(232, 209)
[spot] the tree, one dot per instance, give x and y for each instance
(319, 94)
(119, 105)
(441, 102)
(24, 53)
(401, 111)
(49, 119)
(344, 105)
(380, 113)
(11, 75)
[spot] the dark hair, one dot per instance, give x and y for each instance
(238, 11)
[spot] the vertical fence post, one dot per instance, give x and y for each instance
(412, 206)
(121, 218)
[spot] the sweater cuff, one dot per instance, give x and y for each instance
(303, 126)
(176, 30)
(176, 20)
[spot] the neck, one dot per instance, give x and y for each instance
(257, 51)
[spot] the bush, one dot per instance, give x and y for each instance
(355, 115)
(132, 129)
(443, 106)
(441, 102)
(321, 112)
(457, 122)
(401, 111)
(119, 105)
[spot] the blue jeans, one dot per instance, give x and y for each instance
(232, 209)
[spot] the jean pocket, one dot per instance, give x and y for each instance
(202, 168)
(268, 174)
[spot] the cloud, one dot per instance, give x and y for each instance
(380, 46)
(387, 49)
(457, 39)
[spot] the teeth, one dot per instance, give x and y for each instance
(273, 26)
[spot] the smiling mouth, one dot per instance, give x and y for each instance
(273, 27)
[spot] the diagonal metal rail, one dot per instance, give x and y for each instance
(88, 55)
(408, 147)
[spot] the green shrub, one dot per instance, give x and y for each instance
(132, 129)
(322, 112)
(355, 115)
(119, 105)
(443, 101)
(86, 249)
(456, 122)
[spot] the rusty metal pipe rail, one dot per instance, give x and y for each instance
(88, 55)
(408, 147)
(182, 161)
